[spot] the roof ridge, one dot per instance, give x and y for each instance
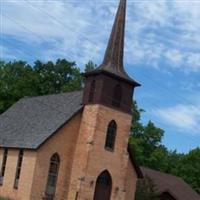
(46, 95)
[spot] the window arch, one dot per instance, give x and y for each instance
(103, 186)
(111, 135)
(52, 176)
(92, 91)
(117, 95)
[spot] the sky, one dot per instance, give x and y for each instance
(162, 51)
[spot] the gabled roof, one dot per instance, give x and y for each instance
(173, 185)
(31, 121)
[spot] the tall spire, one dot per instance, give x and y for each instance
(114, 55)
(115, 50)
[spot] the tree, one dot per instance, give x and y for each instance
(146, 189)
(61, 76)
(188, 168)
(145, 141)
(90, 66)
(146, 144)
(18, 79)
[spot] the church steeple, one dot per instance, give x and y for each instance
(113, 59)
(110, 81)
(115, 50)
(114, 55)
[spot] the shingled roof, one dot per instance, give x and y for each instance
(173, 185)
(31, 121)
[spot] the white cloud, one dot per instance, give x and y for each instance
(174, 56)
(156, 30)
(65, 27)
(193, 60)
(183, 117)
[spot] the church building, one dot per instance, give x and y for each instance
(74, 146)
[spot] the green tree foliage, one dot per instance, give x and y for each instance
(19, 79)
(62, 76)
(146, 190)
(146, 140)
(90, 66)
(188, 168)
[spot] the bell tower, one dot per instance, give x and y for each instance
(102, 168)
(109, 84)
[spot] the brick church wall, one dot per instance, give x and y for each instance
(63, 143)
(131, 182)
(35, 165)
(91, 158)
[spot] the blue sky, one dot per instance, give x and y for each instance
(162, 51)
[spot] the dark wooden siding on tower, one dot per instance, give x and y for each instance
(104, 92)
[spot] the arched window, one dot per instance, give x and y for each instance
(18, 169)
(52, 176)
(111, 135)
(3, 166)
(117, 95)
(92, 91)
(103, 186)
